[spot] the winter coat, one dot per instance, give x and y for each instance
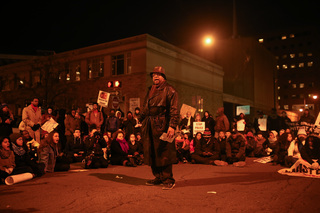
(71, 124)
(94, 118)
(7, 159)
(48, 156)
(236, 147)
(160, 111)
(31, 118)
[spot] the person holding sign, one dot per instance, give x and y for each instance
(160, 116)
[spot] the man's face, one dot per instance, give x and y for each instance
(188, 115)
(25, 134)
(35, 102)
(77, 133)
(157, 78)
(221, 134)
(95, 106)
(73, 113)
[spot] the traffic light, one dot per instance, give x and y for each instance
(117, 84)
(110, 84)
(114, 84)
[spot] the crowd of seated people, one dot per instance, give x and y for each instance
(96, 140)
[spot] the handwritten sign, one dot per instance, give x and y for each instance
(103, 98)
(198, 127)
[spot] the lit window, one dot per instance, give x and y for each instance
(278, 87)
(310, 63)
(78, 72)
(278, 67)
(68, 76)
(309, 54)
(291, 35)
(95, 67)
(284, 56)
(300, 54)
(286, 107)
(293, 96)
(301, 65)
(283, 37)
(261, 40)
(294, 86)
(292, 66)
(279, 98)
(301, 85)
(284, 66)
(292, 55)
(289, 81)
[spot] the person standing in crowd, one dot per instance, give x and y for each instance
(6, 120)
(94, 117)
(71, 123)
(160, 115)
(285, 121)
(273, 121)
(31, 116)
(257, 126)
(128, 125)
(222, 122)
(47, 115)
(306, 118)
(112, 123)
(209, 122)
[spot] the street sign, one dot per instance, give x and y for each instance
(115, 102)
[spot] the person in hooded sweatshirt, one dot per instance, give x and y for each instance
(222, 122)
(272, 142)
(311, 152)
(295, 148)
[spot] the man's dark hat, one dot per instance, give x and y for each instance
(160, 70)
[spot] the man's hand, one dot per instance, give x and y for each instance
(170, 132)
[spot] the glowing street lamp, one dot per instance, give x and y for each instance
(315, 97)
(208, 41)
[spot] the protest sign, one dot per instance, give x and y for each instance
(301, 169)
(103, 98)
(186, 108)
(50, 125)
(198, 127)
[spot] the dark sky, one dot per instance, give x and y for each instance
(27, 26)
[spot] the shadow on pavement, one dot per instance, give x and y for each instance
(245, 179)
(120, 178)
(19, 210)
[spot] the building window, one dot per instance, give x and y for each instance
(121, 64)
(293, 96)
(309, 54)
(285, 56)
(279, 98)
(260, 40)
(36, 79)
(95, 67)
(284, 66)
(78, 72)
(301, 65)
(291, 35)
(301, 85)
(286, 107)
(283, 37)
(294, 86)
(278, 67)
(310, 63)
(300, 54)
(278, 87)
(292, 66)
(292, 55)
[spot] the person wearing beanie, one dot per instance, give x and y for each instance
(272, 142)
(295, 147)
(236, 149)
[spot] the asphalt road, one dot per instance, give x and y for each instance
(199, 188)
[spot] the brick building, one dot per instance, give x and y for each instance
(74, 78)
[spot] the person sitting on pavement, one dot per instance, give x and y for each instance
(22, 157)
(221, 142)
(31, 144)
(75, 147)
(96, 147)
(205, 150)
(119, 150)
(311, 152)
(50, 154)
(236, 149)
(295, 147)
(7, 161)
(183, 148)
(272, 142)
(135, 151)
(281, 151)
(250, 144)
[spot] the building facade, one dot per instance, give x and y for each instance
(74, 78)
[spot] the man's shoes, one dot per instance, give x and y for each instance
(239, 164)
(168, 186)
(153, 182)
(220, 163)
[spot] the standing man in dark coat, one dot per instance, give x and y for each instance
(160, 115)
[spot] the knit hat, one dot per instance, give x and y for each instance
(301, 132)
(274, 132)
(207, 134)
(14, 137)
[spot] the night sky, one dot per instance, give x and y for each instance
(28, 26)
